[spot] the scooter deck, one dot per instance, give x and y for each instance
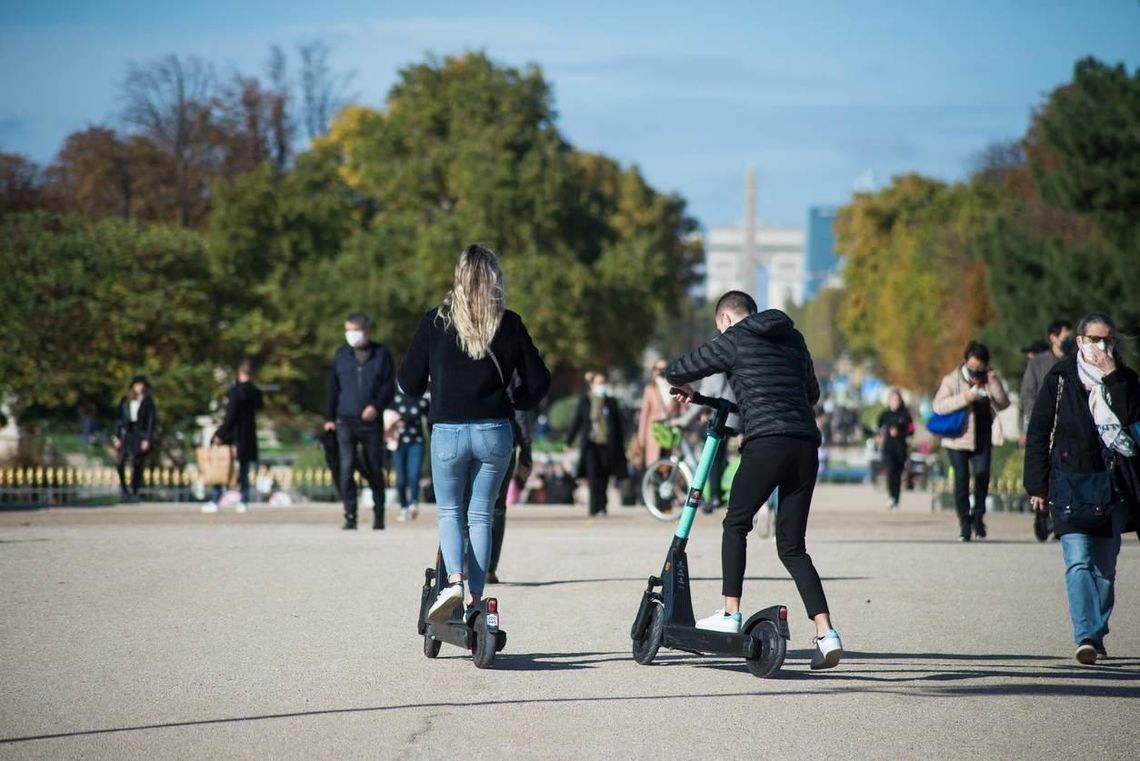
(705, 642)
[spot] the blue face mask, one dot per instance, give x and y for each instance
(599, 391)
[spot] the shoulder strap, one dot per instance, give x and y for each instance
(502, 378)
(1056, 411)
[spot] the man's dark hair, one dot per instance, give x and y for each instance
(736, 301)
(1057, 326)
(246, 366)
(359, 318)
(977, 350)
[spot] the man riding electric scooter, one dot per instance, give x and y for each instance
(773, 379)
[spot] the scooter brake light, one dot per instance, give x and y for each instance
(492, 605)
(783, 613)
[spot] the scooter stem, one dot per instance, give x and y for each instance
(689, 513)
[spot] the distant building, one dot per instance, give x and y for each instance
(765, 261)
(822, 260)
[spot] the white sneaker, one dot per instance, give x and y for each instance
(721, 622)
(449, 598)
(241, 507)
(405, 513)
(828, 651)
(210, 507)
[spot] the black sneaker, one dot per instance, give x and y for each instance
(1100, 651)
(980, 530)
(349, 524)
(1086, 652)
(492, 577)
(378, 522)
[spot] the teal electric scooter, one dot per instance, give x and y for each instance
(665, 616)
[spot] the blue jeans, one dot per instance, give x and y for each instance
(244, 467)
(469, 458)
(1090, 578)
(408, 460)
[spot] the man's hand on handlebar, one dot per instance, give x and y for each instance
(682, 394)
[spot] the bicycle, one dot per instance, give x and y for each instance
(665, 485)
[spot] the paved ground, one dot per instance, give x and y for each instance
(157, 632)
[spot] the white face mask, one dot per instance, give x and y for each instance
(354, 337)
(599, 391)
(1087, 349)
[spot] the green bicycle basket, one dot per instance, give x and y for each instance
(667, 436)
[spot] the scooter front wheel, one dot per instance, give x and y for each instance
(645, 648)
(664, 489)
(431, 646)
(773, 649)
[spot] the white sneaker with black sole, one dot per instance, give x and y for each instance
(721, 622)
(828, 651)
(210, 508)
(450, 597)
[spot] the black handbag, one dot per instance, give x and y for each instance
(1084, 501)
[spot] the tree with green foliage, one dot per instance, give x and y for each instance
(1070, 242)
(87, 303)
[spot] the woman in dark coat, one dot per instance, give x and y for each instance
(134, 435)
(598, 420)
(239, 429)
(1080, 425)
(895, 426)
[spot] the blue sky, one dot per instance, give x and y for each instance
(821, 97)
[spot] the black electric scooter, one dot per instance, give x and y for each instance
(665, 618)
(475, 629)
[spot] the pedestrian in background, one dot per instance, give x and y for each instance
(361, 386)
(602, 451)
(972, 386)
(894, 427)
(469, 348)
(239, 430)
(656, 407)
(1061, 345)
(1079, 452)
(134, 435)
(408, 458)
(518, 470)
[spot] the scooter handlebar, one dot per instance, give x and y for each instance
(707, 401)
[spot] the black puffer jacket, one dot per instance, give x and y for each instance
(770, 371)
(1077, 446)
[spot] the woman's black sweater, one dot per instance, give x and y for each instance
(465, 389)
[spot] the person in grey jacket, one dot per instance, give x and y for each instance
(771, 373)
(1061, 344)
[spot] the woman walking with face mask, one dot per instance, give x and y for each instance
(1083, 463)
(468, 348)
(602, 452)
(978, 389)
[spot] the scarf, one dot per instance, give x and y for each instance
(1107, 423)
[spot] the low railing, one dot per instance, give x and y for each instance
(41, 486)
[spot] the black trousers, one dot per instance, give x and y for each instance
(130, 450)
(598, 471)
(499, 516)
(894, 457)
(766, 463)
(962, 463)
(350, 434)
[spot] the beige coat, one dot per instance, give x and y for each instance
(950, 398)
(654, 406)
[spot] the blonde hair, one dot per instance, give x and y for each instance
(477, 300)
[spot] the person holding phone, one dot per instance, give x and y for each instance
(980, 390)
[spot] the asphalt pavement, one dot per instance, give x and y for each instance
(153, 632)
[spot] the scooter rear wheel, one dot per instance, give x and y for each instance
(645, 649)
(485, 646)
(431, 646)
(773, 649)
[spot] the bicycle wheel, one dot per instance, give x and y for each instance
(664, 489)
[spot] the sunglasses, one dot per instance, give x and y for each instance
(1109, 340)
